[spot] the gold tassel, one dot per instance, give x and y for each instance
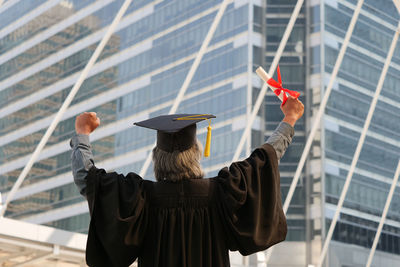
(208, 140)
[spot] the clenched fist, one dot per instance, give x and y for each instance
(293, 110)
(86, 123)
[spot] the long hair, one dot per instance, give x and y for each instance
(178, 165)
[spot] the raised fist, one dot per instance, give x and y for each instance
(293, 110)
(86, 123)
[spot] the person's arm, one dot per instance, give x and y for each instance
(82, 157)
(282, 137)
(82, 160)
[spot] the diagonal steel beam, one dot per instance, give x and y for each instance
(327, 93)
(261, 95)
(191, 72)
(397, 4)
(359, 146)
(384, 213)
(274, 64)
(66, 103)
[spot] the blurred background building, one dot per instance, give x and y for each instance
(45, 44)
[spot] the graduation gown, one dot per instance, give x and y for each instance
(191, 223)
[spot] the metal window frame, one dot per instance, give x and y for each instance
(361, 140)
(66, 103)
(247, 131)
(191, 72)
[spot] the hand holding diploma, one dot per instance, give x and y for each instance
(276, 86)
(291, 106)
(86, 123)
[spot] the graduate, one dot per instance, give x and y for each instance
(182, 219)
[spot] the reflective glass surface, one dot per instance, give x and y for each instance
(159, 46)
(347, 110)
(292, 66)
(19, 9)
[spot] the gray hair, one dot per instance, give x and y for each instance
(178, 165)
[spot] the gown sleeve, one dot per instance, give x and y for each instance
(118, 218)
(249, 201)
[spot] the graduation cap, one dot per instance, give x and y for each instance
(178, 131)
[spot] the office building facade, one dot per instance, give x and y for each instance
(137, 76)
(341, 127)
(140, 72)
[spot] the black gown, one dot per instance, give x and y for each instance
(192, 223)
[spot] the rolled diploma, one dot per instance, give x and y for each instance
(265, 77)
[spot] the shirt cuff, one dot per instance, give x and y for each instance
(79, 139)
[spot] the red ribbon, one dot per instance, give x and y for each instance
(279, 88)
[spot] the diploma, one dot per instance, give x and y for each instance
(265, 77)
(276, 86)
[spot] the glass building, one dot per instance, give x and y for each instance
(140, 72)
(342, 123)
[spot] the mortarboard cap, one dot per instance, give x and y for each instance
(177, 131)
